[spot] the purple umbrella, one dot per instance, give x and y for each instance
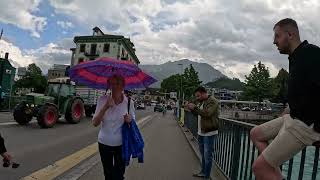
(95, 74)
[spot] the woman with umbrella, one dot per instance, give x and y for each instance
(112, 111)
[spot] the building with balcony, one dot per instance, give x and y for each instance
(102, 45)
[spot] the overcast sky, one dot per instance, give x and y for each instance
(230, 35)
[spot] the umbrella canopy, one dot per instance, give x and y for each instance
(95, 74)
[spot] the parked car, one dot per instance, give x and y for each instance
(245, 109)
(158, 108)
(141, 106)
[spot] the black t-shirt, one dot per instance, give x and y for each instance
(304, 83)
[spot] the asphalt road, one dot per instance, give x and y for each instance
(35, 148)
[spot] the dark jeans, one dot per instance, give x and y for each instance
(206, 151)
(113, 165)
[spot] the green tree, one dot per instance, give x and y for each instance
(224, 82)
(280, 87)
(33, 79)
(171, 84)
(258, 84)
(189, 80)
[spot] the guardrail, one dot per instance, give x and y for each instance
(234, 153)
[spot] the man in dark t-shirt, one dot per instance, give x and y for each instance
(301, 127)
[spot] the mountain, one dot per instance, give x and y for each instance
(206, 72)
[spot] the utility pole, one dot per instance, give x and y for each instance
(180, 94)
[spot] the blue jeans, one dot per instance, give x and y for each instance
(206, 151)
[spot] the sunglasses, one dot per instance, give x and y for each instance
(7, 163)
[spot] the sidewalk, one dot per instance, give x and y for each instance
(167, 154)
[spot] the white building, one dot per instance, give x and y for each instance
(224, 94)
(22, 71)
(57, 71)
(102, 45)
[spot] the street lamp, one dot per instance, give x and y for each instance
(181, 82)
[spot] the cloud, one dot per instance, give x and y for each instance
(44, 57)
(65, 24)
(231, 35)
(21, 13)
(18, 58)
(52, 53)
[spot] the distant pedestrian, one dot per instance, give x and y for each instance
(208, 125)
(164, 109)
(301, 127)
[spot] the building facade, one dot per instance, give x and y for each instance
(57, 71)
(22, 71)
(102, 45)
(224, 94)
(7, 74)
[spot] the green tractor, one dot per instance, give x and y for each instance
(59, 99)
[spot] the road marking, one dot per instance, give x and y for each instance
(143, 120)
(15, 123)
(31, 122)
(63, 165)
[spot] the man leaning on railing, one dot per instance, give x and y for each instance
(299, 128)
(208, 125)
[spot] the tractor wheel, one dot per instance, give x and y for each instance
(22, 114)
(74, 111)
(48, 116)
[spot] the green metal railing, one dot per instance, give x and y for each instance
(234, 153)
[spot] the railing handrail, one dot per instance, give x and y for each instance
(250, 125)
(235, 152)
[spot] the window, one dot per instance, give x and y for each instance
(93, 49)
(80, 60)
(82, 47)
(122, 53)
(65, 90)
(106, 47)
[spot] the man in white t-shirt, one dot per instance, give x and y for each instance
(208, 125)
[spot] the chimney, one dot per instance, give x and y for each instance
(6, 56)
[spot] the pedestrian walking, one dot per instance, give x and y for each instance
(7, 158)
(111, 113)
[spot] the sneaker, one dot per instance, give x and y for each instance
(199, 174)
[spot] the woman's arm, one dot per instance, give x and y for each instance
(100, 110)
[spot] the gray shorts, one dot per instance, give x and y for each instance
(289, 136)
